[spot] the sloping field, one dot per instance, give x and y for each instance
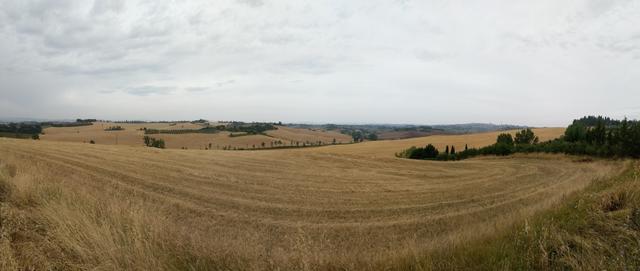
(389, 148)
(133, 136)
(120, 207)
(308, 135)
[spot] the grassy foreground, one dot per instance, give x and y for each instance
(54, 218)
(595, 229)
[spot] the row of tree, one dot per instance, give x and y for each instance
(597, 136)
(21, 128)
(243, 128)
(430, 152)
(114, 128)
(606, 138)
(360, 135)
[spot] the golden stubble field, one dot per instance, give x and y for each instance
(386, 148)
(352, 206)
(133, 136)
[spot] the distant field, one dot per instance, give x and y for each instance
(389, 148)
(350, 206)
(133, 136)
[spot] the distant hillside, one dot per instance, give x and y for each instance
(476, 127)
(362, 132)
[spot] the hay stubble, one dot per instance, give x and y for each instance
(303, 208)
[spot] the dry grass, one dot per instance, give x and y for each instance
(121, 207)
(133, 136)
(308, 135)
(594, 229)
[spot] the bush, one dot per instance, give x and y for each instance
(525, 136)
(428, 152)
(503, 149)
(152, 142)
(505, 138)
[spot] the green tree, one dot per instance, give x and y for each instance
(505, 138)
(430, 151)
(526, 136)
(599, 132)
(158, 143)
(575, 132)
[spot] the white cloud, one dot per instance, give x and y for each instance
(536, 63)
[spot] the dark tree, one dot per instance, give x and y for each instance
(147, 141)
(526, 136)
(505, 138)
(430, 151)
(575, 132)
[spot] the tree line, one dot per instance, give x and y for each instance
(114, 128)
(21, 130)
(246, 129)
(595, 136)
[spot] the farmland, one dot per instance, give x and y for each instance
(133, 133)
(388, 148)
(345, 206)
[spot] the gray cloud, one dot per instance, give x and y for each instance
(535, 63)
(150, 90)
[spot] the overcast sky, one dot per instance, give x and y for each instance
(537, 62)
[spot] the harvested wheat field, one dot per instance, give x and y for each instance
(132, 135)
(389, 148)
(308, 135)
(336, 207)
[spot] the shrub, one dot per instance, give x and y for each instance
(526, 136)
(503, 149)
(152, 142)
(428, 152)
(505, 138)
(158, 143)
